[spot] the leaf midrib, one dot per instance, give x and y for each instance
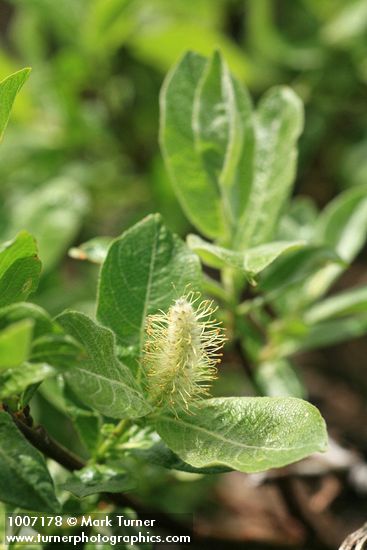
(109, 380)
(235, 443)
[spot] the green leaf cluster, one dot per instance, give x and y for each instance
(232, 166)
(242, 159)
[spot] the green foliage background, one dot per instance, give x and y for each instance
(82, 144)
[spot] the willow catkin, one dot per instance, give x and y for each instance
(181, 352)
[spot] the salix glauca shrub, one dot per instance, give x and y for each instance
(135, 380)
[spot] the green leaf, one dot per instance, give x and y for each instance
(343, 223)
(20, 280)
(294, 334)
(222, 122)
(19, 269)
(213, 255)
(299, 221)
(24, 479)
(107, 25)
(94, 251)
(294, 268)
(197, 193)
(9, 88)
(98, 378)
(249, 434)
(53, 214)
(252, 261)
(207, 138)
(14, 381)
(145, 270)
(278, 124)
(260, 257)
(328, 333)
(161, 455)
(350, 302)
(88, 427)
(42, 322)
(98, 479)
(58, 350)
(346, 24)
(86, 421)
(15, 342)
(22, 246)
(343, 227)
(278, 378)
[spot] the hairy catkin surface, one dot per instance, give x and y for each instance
(181, 353)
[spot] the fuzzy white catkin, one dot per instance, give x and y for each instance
(181, 353)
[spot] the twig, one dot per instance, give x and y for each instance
(50, 447)
(356, 541)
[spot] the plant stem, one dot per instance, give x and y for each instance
(50, 447)
(247, 368)
(110, 441)
(42, 441)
